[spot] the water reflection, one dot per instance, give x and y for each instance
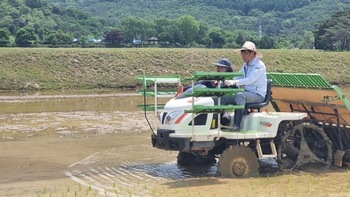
(102, 100)
(78, 101)
(69, 103)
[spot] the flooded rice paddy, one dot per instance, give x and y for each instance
(99, 145)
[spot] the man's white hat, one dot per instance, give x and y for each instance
(251, 47)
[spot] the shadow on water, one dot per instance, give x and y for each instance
(172, 171)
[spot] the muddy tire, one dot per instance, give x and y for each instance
(305, 143)
(238, 161)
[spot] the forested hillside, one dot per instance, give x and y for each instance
(304, 24)
(275, 17)
(25, 22)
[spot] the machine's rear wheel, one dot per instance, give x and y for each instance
(190, 159)
(238, 161)
(305, 143)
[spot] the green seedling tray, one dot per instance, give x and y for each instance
(211, 109)
(197, 92)
(199, 75)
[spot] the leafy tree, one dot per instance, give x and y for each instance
(8, 23)
(304, 41)
(26, 37)
(334, 34)
(114, 38)
(84, 40)
(35, 3)
(133, 26)
(163, 25)
(266, 42)
(59, 38)
(240, 39)
(230, 40)
(188, 29)
(280, 43)
(43, 33)
(168, 31)
(165, 37)
(217, 37)
(202, 32)
(4, 37)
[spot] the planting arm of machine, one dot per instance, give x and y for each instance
(324, 137)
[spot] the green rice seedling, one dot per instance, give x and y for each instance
(268, 178)
(116, 192)
(44, 190)
(154, 193)
(129, 192)
(289, 186)
(252, 186)
(177, 192)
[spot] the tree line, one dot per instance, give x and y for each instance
(27, 23)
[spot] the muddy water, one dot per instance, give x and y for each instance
(91, 145)
(106, 134)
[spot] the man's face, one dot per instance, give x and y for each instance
(247, 55)
(221, 69)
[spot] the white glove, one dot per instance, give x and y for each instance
(230, 82)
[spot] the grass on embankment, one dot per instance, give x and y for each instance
(76, 68)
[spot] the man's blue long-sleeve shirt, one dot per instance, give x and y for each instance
(254, 79)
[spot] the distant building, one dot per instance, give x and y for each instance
(152, 40)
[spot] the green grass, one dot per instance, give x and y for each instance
(91, 68)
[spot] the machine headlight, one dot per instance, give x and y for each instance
(171, 117)
(160, 116)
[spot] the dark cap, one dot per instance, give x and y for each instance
(223, 62)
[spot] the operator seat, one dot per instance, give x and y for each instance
(249, 107)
